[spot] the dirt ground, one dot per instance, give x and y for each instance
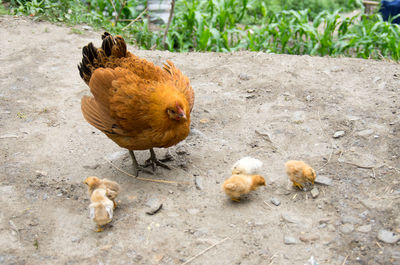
(272, 107)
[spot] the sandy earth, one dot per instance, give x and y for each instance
(272, 107)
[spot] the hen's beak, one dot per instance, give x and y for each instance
(182, 116)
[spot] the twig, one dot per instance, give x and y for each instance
(146, 179)
(204, 251)
(171, 13)
(268, 204)
(134, 20)
(379, 245)
(353, 164)
(345, 259)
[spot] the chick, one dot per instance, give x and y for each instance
(247, 165)
(101, 208)
(112, 188)
(240, 184)
(299, 173)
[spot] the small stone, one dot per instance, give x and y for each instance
(40, 173)
(45, 196)
(91, 166)
(198, 182)
(275, 201)
(85, 27)
(115, 155)
(290, 218)
(388, 236)
(347, 228)
(244, 77)
(309, 238)
(364, 214)
(314, 192)
(289, 240)
(364, 228)
(251, 90)
(193, 211)
(323, 180)
(154, 205)
(308, 98)
(365, 133)
(338, 134)
(348, 219)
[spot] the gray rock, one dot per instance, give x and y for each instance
(115, 155)
(365, 133)
(314, 192)
(347, 228)
(338, 134)
(290, 218)
(154, 204)
(364, 228)
(364, 214)
(289, 240)
(198, 181)
(323, 180)
(85, 27)
(350, 220)
(244, 77)
(275, 201)
(388, 236)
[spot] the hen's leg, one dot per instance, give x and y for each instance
(136, 166)
(152, 161)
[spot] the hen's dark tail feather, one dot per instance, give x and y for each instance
(93, 58)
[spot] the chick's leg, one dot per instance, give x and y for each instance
(298, 185)
(153, 161)
(99, 229)
(235, 199)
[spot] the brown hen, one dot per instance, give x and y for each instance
(136, 104)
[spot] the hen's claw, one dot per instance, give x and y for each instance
(153, 161)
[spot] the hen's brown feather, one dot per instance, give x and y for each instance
(132, 95)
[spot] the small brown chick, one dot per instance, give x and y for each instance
(241, 184)
(112, 188)
(299, 173)
(101, 208)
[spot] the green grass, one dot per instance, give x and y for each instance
(231, 25)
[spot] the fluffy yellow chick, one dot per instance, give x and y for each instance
(240, 184)
(101, 208)
(299, 173)
(245, 178)
(112, 188)
(247, 165)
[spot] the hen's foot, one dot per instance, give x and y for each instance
(136, 167)
(153, 161)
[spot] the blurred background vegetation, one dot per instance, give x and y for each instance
(314, 27)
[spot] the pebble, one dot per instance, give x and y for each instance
(115, 155)
(350, 220)
(290, 218)
(308, 98)
(347, 228)
(364, 228)
(388, 236)
(365, 133)
(244, 77)
(85, 27)
(154, 205)
(364, 214)
(275, 201)
(289, 240)
(198, 181)
(309, 238)
(338, 134)
(314, 192)
(323, 180)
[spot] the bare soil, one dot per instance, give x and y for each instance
(272, 107)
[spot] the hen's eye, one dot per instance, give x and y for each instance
(172, 111)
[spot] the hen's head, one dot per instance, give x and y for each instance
(92, 181)
(176, 111)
